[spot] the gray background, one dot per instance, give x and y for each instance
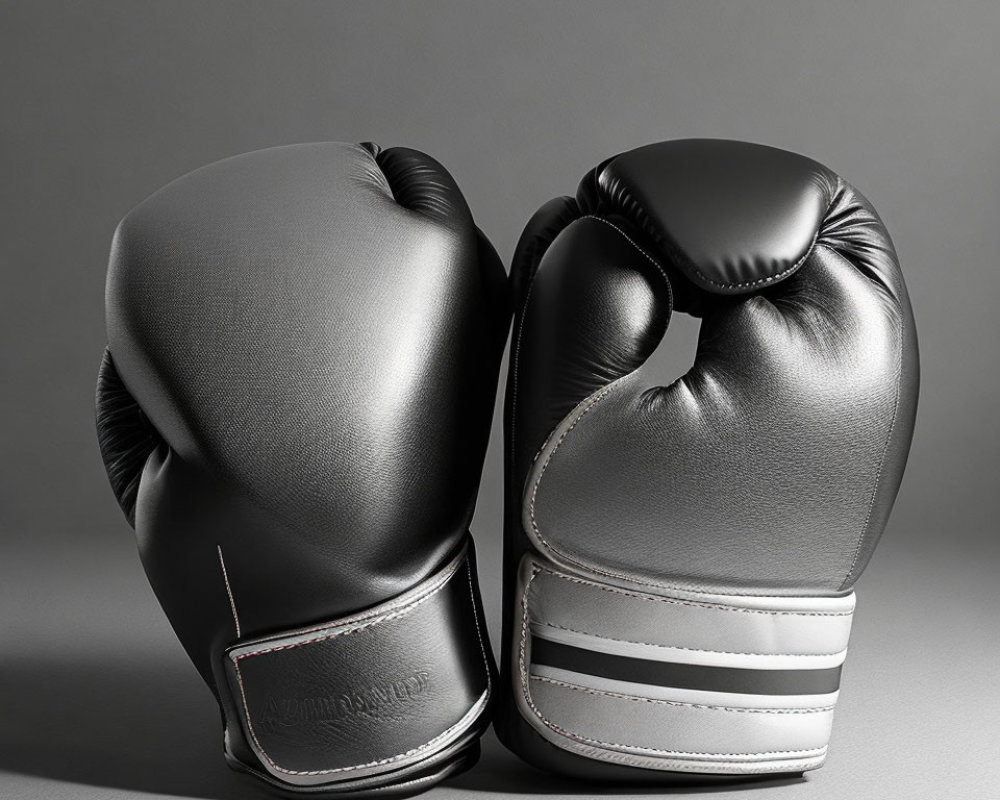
(102, 103)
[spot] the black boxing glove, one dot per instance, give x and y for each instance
(679, 559)
(293, 409)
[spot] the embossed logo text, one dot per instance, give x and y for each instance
(373, 700)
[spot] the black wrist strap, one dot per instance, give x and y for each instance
(373, 693)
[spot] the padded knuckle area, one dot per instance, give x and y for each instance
(682, 550)
(732, 216)
(421, 184)
(125, 436)
(237, 303)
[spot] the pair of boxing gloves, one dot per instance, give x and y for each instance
(294, 407)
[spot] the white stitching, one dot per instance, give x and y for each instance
(426, 746)
(229, 591)
(595, 399)
(645, 221)
(479, 633)
(631, 747)
(524, 309)
(521, 655)
(375, 621)
(559, 555)
(612, 573)
(777, 276)
(693, 603)
(403, 610)
(378, 620)
(647, 256)
(526, 694)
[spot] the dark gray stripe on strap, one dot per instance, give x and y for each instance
(684, 676)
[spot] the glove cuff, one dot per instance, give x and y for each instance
(391, 695)
(677, 681)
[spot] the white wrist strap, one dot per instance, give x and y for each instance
(680, 681)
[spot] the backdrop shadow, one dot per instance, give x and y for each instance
(151, 726)
(141, 726)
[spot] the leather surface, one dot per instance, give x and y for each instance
(687, 626)
(594, 280)
(681, 682)
(771, 467)
(732, 216)
(303, 345)
(301, 696)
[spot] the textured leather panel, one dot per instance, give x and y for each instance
(734, 216)
(542, 229)
(595, 279)
(770, 468)
(782, 423)
(240, 297)
(854, 231)
(369, 694)
(285, 294)
(805, 378)
(303, 351)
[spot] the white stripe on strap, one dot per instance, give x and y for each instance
(662, 652)
(678, 681)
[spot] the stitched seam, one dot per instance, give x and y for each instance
(522, 646)
(526, 694)
(479, 634)
(545, 464)
(593, 568)
(559, 555)
(229, 590)
(689, 649)
(769, 279)
(656, 751)
(534, 524)
(647, 256)
(517, 350)
(693, 603)
(414, 751)
(378, 620)
(527, 298)
(516, 369)
(767, 768)
(661, 702)
(645, 222)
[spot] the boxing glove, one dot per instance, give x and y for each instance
(680, 555)
(293, 408)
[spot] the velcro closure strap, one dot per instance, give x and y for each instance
(685, 682)
(368, 694)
